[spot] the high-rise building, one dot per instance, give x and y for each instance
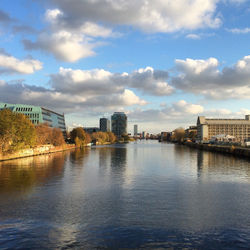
(38, 115)
(135, 130)
(119, 123)
(208, 128)
(143, 134)
(104, 124)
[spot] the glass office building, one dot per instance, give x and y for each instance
(104, 125)
(119, 123)
(38, 115)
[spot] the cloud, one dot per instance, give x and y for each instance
(177, 111)
(65, 42)
(10, 64)
(149, 16)
(203, 77)
(239, 31)
(179, 114)
(193, 36)
(64, 45)
(89, 90)
(4, 17)
(76, 28)
(18, 92)
(100, 81)
(23, 29)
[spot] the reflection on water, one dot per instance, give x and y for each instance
(222, 165)
(25, 173)
(139, 195)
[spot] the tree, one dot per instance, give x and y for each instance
(125, 137)
(16, 131)
(57, 137)
(111, 137)
(100, 137)
(178, 135)
(79, 136)
(44, 134)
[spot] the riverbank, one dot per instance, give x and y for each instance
(233, 150)
(45, 149)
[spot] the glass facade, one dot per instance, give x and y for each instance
(119, 123)
(38, 115)
(104, 124)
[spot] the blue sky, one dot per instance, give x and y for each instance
(162, 62)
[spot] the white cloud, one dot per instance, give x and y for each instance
(204, 77)
(64, 45)
(52, 15)
(68, 43)
(94, 30)
(180, 110)
(193, 36)
(239, 31)
(150, 16)
(129, 98)
(179, 114)
(10, 64)
(147, 80)
(184, 107)
(19, 92)
(76, 28)
(171, 116)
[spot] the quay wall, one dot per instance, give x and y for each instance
(44, 149)
(233, 150)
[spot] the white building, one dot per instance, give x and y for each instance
(208, 128)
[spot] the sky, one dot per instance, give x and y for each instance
(162, 62)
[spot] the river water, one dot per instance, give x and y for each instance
(143, 195)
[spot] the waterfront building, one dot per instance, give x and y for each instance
(135, 130)
(38, 115)
(163, 136)
(91, 130)
(208, 128)
(104, 124)
(119, 123)
(191, 132)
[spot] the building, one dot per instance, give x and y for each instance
(104, 125)
(135, 130)
(163, 136)
(191, 132)
(91, 130)
(143, 135)
(119, 123)
(38, 115)
(208, 128)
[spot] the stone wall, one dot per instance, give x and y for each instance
(237, 151)
(44, 149)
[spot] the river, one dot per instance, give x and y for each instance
(143, 195)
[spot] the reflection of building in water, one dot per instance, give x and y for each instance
(104, 158)
(216, 163)
(118, 159)
(25, 173)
